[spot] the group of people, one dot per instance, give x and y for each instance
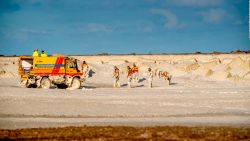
(132, 72)
(36, 53)
(132, 76)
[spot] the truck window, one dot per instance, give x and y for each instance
(70, 64)
(26, 65)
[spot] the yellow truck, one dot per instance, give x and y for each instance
(43, 72)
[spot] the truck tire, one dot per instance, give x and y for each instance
(76, 83)
(45, 83)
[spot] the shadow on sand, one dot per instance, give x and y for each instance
(141, 80)
(88, 87)
(124, 85)
(173, 83)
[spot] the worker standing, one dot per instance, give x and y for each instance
(85, 69)
(150, 77)
(43, 54)
(129, 76)
(135, 73)
(116, 75)
(35, 53)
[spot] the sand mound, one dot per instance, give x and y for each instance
(231, 69)
(239, 68)
(219, 75)
(166, 67)
(247, 76)
(226, 60)
(240, 64)
(201, 72)
(240, 72)
(192, 67)
(5, 74)
(9, 70)
(2, 71)
(174, 70)
(236, 78)
(209, 65)
(225, 72)
(117, 61)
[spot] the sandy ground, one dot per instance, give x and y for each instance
(205, 91)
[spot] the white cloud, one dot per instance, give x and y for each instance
(147, 28)
(213, 15)
(171, 19)
(35, 31)
(201, 3)
(95, 27)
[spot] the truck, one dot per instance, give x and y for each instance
(43, 72)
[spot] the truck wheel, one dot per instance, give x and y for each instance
(75, 83)
(45, 83)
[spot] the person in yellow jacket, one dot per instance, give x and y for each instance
(43, 54)
(35, 53)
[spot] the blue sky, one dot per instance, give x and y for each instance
(123, 26)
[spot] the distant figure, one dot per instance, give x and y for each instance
(43, 54)
(150, 77)
(35, 53)
(85, 69)
(135, 73)
(129, 76)
(116, 75)
(166, 76)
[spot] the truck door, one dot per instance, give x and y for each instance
(70, 67)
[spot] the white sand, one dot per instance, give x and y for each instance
(206, 90)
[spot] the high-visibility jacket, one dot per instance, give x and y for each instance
(135, 69)
(35, 54)
(43, 55)
(130, 72)
(84, 65)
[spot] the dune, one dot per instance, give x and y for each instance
(247, 76)
(240, 64)
(219, 76)
(200, 73)
(239, 67)
(207, 67)
(192, 67)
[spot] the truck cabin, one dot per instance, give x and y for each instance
(25, 64)
(72, 64)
